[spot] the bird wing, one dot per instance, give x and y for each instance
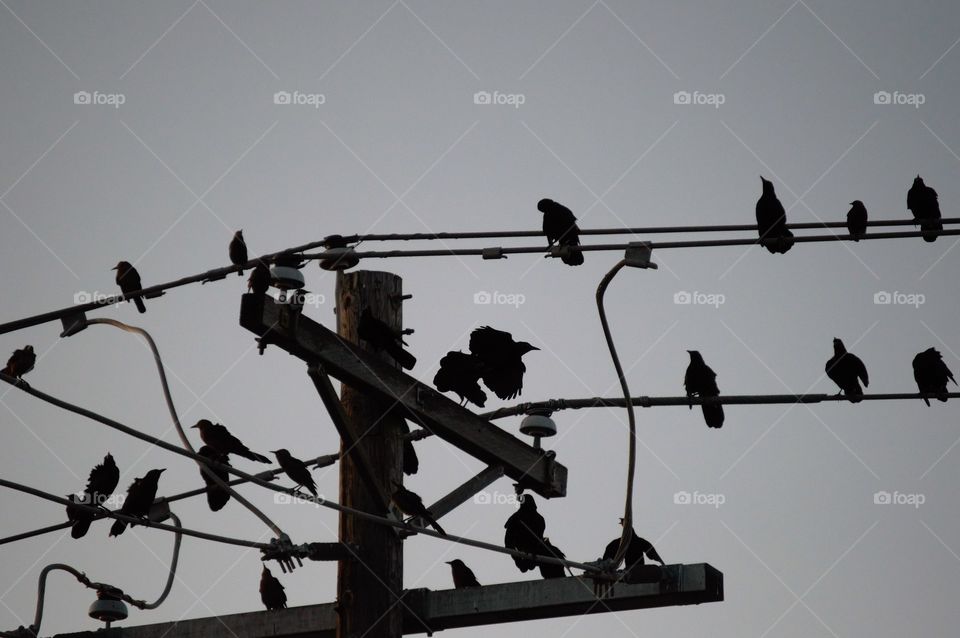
(487, 342)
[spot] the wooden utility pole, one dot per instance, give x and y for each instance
(369, 587)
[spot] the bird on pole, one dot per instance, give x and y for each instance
(140, 496)
(410, 503)
(238, 251)
(271, 591)
(296, 470)
(847, 371)
(462, 575)
(101, 484)
(524, 532)
(701, 380)
(217, 497)
(219, 438)
(20, 362)
(129, 281)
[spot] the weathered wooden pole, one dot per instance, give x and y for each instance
(369, 587)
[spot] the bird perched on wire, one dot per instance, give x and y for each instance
(772, 221)
(922, 202)
(857, 220)
(847, 371)
(296, 470)
(238, 251)
(524, 532)
(462, 575)
(550, 570)
(560, 227)
(217, 497)
(410, 503)
(219, 438)
(701, 381)
(382, 337)
(101, 483)
(20, 362)
(129, 281)
(636, 550)
(259, 281)
(460, 373)
(932, 374)
(501, 359)
(140, 496)
(271, 591)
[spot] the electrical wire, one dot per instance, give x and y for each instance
(627, 533)
(176, 422)
(26, 489)
(645, 230)
(322, 502)
(268, 475)
(554, 405)
(86, 582)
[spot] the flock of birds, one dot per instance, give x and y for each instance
(495, 359)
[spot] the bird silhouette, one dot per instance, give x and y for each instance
(636, 550)
(217, 497)
(129, 281)
(296, 470)
(922, 202)
(20, 362)
(140, 496)
(410, 503)
(259, 281)
(931, 375)
(462, 575)
(501, 356)
(238, 251)
(847, 371)
(101, 484)
(772, 221)
(410, 463)
(271, 591)
(560, 227)
(460, 373)
(550, 570)
(524, 532)
(220, 439)
(701, 381)
(857, 220)
(382, 337)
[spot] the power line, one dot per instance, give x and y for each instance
(498, 252)
(554, 405)
(645, 230)
(257, 481)
(336, 250)
(268, 475)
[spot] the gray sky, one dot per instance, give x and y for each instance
(198, 148)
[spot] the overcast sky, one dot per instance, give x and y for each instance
(150, 132)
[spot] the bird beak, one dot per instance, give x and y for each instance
(162, 470)
(448, 562)
(114, 268)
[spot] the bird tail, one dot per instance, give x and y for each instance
(117, 528)
(253, 456)
(854, 393)
(931, 226)
(80, 528)
(927, 401)
(139, 302)
(217, 498)
(410, 461)
(435, 525)
(713, 414)
(401, 356)
(574, 257)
